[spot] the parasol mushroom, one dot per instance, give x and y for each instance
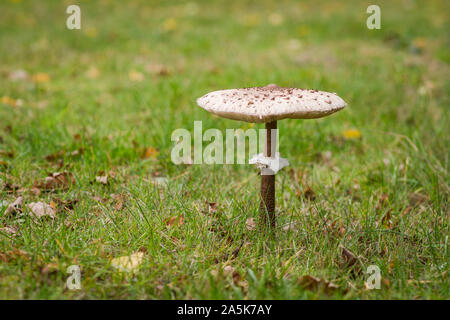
(268, 105)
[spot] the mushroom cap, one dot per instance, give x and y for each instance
(270, 103)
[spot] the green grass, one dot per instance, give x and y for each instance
(395, 81)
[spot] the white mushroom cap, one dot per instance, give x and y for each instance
(270, 103)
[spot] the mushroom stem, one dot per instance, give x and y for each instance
(267, 205)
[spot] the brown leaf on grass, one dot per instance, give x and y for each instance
(11, 187)
(416, 198)
(174, 221)
(150, 153)
(119, 201)
(41, 209)
(14, 255)
(383, 202)
(56, 181)
(386, 220)
(406, 211)
(67, 205)
(291, 226)
(7, 154)
(250, 224)
(77, 152)
(15, 207)
(235, 276)
(212, 207)
(55, 156)
(229, 271)
(129, 263)
(233, 255)
(157, 69)
(317, 284)
(136, 76)
(336, 228)
(35, 190)
(50, 268)
(99, 199)
(9, 230)
(102, 179)
(350, 260)
(309, 194)
(391, 266)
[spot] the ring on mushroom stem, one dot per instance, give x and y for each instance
(267, 105)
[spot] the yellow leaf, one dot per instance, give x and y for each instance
(128, 263)
(276, 19)
(8, 101)
(150, 152)
(251, 20)
(135, 76)
(93, 73)
(420, 43)
(91, 32)
(41, 77)
(170, 24)
(352, 134)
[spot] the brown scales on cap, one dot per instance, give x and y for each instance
(275, 103)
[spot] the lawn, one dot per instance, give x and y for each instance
(86, 118)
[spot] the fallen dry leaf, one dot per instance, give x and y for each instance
(289, 226)
(11, 102)
(15, 206)
(41, 209)
(228, 270)
(157, 69)
(67, 205)
(350, 260)
(150, 153)
(54, 156)
(416, 198)
(102, 179)
(275, 19)
(174, 221)
(383, 202)
(92, 73)
(212, 207)
(41, 77)
(57, 180)
(169, 24)
(128, 263)
(15, 254)
(250, 224)
(9, 230)
(309, 194)
(136, 76)
(18, 75)
(8, 154)
(386, 220)
(119, 200)
(317, 284)
(51, 267)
